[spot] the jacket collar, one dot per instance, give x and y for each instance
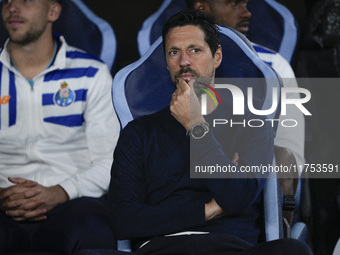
(59, 62)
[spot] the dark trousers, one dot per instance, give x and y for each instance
(220, 244)
(212, 244)
(78, 224)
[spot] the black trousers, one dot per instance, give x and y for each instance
(212, 244)
(221, 244)
(78, 224)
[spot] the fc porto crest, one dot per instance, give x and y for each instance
(65, 96)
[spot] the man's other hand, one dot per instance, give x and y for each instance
(29, 201)
(213, 210)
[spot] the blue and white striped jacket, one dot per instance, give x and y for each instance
(63, 130)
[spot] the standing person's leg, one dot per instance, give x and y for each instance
(78, 224)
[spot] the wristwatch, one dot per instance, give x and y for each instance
(198, 130)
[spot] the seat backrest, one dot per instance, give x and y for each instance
(142, 87)
(145, 87)
(272, 198)
(273, 26)
(152, 26)
(83, 29)
(241, 62)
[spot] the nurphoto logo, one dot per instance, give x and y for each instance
(238, 100)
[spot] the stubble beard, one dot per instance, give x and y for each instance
(199, 80)
(32, 35)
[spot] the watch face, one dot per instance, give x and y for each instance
(198, 131)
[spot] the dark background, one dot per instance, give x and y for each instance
(126, 18)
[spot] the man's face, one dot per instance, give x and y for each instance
(25, 20)
(231, 13)
(188, 55)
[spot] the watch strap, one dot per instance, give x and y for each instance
(206, 124)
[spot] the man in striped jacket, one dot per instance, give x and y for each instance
(58, 130)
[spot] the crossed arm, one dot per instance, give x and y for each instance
(185, 107)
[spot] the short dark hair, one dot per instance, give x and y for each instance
(196, 18)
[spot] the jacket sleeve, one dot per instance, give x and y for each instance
(132, 216)
(235, 191)
(102, 130)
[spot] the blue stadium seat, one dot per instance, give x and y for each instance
(134, 86)
(83, 29)
(299, 229)
(241, 62)
(139, 98)
(272, 25)
(272, 197)
(152, 26)
(145, 87)
(281, 36)
(124, 245)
